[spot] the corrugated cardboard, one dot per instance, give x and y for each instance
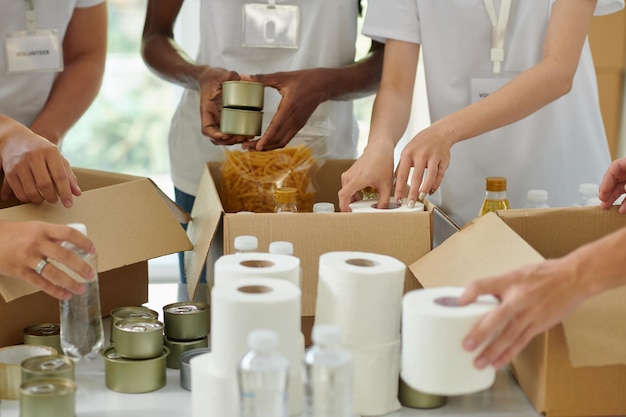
(213, 231)
(129, 220)
(577, 368)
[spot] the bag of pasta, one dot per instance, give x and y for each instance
(248, 179)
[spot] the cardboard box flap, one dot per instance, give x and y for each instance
(595, 332)
(128, 223)
(482, 248)
(205, 218)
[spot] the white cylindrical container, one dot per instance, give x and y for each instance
(281, 247)
(245, 244)
(323, 207)
(537, 199)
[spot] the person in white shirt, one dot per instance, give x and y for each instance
(511, 90)
(51, 65)
(536, 297)
(311, 69)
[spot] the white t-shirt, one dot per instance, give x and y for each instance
(22, 96)
(555, 149)
(328, 30)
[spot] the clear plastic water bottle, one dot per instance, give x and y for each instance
(328, 375)
(245, 243)
(82, 334)
(262, 377)
(588, 194)
(537, 199)
(281, 247)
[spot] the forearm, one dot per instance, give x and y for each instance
(359, 79)
(600, 265)
(72, 93)
(8, 129)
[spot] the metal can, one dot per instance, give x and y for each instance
(417, 399)
(11, 358)
(177, 347)
(241, 122)
(44, 334)
(48, 366)
(138, 338)
(247, 95)
(185, 366)
(48, 397)
(187, 320)
(131, 312)
(134, 376)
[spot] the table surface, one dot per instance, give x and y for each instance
(504, 399)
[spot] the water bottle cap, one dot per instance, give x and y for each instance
(589, 189)
(326, 334)
(246, 243)
(263, 339)
(281, 247)
(537, 195)
(79, 226)
(323, 207)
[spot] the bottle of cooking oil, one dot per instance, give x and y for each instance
(369, 193)
(495, 195)
(285, 200)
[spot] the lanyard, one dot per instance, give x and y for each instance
(498, 32)
(31, 16)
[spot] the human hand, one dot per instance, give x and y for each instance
(24, 244)
(429, 152)
(533, 299)
(210, 86)
(34, 169)
(613, 185)
(373, 169)
(301, 91)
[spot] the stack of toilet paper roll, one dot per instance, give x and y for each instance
(257, 264)
(237, 307)
(361, 293)
(433, 328)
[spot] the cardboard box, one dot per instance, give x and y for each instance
(577, 368)
(405, 236)
(129, 220)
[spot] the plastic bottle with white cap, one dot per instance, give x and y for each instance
(82, 334)
(323, 207)
(537, 199)
(246, 243)
(328, 386)
(588, 195)
(262, 377)
(281, 247)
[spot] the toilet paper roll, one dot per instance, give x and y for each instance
(433, 328)
(213, 394)
(376, 373)
(242, 305)
(257, 264)
(361, 293)
(371, 206)
(11, 358)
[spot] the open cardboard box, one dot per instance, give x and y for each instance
(577, 368)
(404, 235)
(128, 218)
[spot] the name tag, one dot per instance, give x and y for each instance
(482, 86)
(271, 25)
(35, 51)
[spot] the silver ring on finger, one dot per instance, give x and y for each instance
(40, 266)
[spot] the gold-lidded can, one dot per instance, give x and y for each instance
(48, 366)
(48, 397)
(178, 347)
(412, 398)
(186, 320)
(138, 338)
(133, 376)
(241, 122)
(130, 312)
(44, 334)
(247, 95)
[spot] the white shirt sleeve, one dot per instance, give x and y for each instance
(608, 6)
(392, 19)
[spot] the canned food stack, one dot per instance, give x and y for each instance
(187, 326)
(130, 312)
(136, 362)
(242, 105)
(44, 334)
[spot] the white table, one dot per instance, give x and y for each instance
(503, 399)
